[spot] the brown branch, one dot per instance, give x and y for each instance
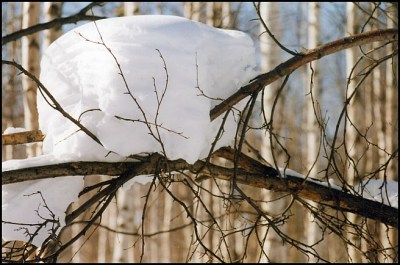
(55, 103)
(258, 175)
(58, 22)
(22, 137)
(299, 60)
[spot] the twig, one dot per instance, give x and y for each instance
(297, 61)
(80, 16)
(55, 103)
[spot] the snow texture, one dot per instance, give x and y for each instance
(386, 192)
(10, 130)
(23, 205)
(289, 172)
(85, 79)
(84, 76)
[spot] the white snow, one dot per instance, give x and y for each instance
(10, 130)
(83, 75)
(21, 205)
(380, 191)
(84, 78)
(289, 172)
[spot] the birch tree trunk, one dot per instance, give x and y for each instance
(351, 141)
(312, 230)
(10, 108)
(198, 12)
(131, 8)
(270, 57)
(123, 251)
(188, 9)
(51, 10)
(226, 16)
(30, 60)
(210, 13)
(389, 235)
(377, 97)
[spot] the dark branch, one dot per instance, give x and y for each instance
(54, 103)
(250, 172)
(303, 58)
(58, 22)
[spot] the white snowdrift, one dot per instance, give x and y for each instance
(85, 79)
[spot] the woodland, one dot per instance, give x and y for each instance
(316, 127)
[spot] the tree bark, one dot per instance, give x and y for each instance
(351, 143)
(270, 56)
(312, 230)
(260, 176)
(30, 60)
(259, 82)
(52, 10)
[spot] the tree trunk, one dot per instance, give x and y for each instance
(198, 12)
(10, 109)
(226, 16)
(131, 8)
(52, 10)
(30, 61)
(273, 249)
(312, 129)
(388, 235)
(210, 12)
(123, 250)
(188, 9)
(351, 140)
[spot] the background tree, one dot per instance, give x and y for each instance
(186, 220)
(30, 60)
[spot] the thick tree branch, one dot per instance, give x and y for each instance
(22, 137)
(251, 173)
(80, 16)
(299, 60)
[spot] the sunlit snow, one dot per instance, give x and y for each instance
(289, 172)
(10, 130)
(85, 79)
(21, 204)
(381, 191)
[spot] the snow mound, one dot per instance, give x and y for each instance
(84, 77)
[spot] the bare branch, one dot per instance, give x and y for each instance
(22, 137)
(297, 61)
(257, 7)
(80, 16)
(55, 103)
(260, 176)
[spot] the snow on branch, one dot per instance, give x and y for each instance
(285, 68)
(250, 172)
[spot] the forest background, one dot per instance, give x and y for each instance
(146, 224)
